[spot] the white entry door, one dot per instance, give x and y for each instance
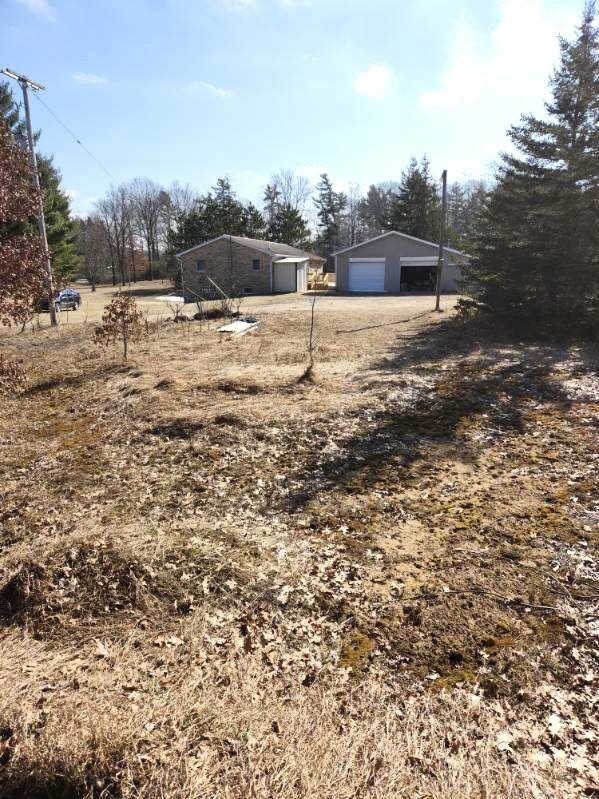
(285, 277)
(367, 275)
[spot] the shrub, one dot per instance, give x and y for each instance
(121, 321)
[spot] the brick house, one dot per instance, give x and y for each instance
(240, 265)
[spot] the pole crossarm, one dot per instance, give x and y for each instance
(23, 79)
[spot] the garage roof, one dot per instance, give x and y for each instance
(403, 236)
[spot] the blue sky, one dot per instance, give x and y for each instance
(189, 90)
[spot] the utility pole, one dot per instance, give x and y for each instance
(25, 84)
(441, 241)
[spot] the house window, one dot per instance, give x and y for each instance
(200, 266)
(256, 264)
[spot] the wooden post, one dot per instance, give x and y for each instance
(442, 234)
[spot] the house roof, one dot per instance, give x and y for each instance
(403, 236)
(273, 248)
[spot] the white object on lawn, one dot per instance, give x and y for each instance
(174, 298)
(238, 328)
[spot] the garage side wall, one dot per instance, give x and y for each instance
(392, 249)
(233, 274)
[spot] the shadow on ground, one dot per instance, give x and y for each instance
(428, 390)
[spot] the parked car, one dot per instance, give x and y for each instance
(65, 300)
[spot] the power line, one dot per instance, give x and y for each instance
(70, 132)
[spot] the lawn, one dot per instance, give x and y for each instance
(219, 578)
(150, 298)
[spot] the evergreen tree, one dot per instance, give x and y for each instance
(57, 212)
(283, 219)
(465, 202)
(289, 227)
(376, 206)
(538, 248)
(215, 214)
(9, 111)
(272, 201)
(60, 229)
(415, 208)
(330, 205)
(254, 225)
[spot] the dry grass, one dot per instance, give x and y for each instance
(225, 732)
(218, 580)
(147, 294)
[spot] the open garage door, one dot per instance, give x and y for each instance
(418, 275)
(367, 275)
(285, 277)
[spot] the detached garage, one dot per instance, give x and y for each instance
(396, 263)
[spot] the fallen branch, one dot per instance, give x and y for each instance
(501, 598)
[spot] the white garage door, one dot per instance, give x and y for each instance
(367, 275)
(285, 277)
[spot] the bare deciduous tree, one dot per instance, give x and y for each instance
(94, 248)
(176, 200)
(291, 189)
(147, 205)
(115, 212)
(354, 228)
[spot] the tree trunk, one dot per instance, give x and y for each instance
(132, 251)
(150, 259)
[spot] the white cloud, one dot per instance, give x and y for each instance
(510, 67)
(490, 80)
(374, 82)
(41, 8)
(201, 86)
(88, 78)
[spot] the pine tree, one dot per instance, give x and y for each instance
(272, 201)
(9, 111)
(465, 202)
(289, 227)
(375, 207)
(215, 214)
(253, 222)
(538, 248)
(415, 208)
(330, 205)
(60, 230)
